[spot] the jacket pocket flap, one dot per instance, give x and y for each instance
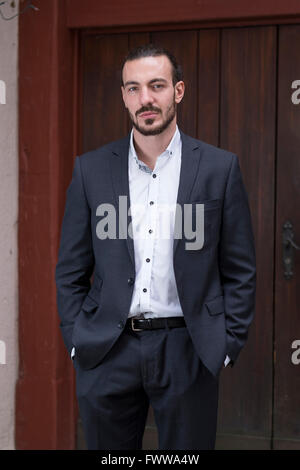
(89, 304)
(215, 306)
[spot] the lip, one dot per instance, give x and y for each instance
(148, 114)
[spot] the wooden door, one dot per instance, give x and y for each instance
(231, 101)
(287, 292)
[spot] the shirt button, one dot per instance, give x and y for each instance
(151, 202)
(144, 290)
(130, 281)
(150, 231)
(148, 260)
(154, 175)
(121, 324)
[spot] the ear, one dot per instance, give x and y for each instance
(179, 91)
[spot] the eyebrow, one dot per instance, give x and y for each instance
(131, 82)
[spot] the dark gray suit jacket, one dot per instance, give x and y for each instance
(216, 284)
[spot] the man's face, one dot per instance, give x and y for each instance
(149, 94)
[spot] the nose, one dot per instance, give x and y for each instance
(146, 97)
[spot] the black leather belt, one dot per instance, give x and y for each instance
(139, 324)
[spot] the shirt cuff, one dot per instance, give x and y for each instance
(73, 353)
(227, 360)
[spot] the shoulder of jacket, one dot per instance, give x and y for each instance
(105, 151)
(209, 150)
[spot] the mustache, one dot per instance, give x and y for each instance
(146, 109)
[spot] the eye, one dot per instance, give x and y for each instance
(157, 86)
(132, 89)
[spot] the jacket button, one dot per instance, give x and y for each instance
(121, 324)
(130, 281)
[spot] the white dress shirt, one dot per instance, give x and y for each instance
(153, 204)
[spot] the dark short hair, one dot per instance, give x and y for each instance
(151, 50)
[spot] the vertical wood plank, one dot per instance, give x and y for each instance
(208, 86)
(45, 411)
(104, 116)
(248, 129)
(138, 39)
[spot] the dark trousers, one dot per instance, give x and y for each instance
(160, 367)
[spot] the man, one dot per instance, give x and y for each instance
(164, 314)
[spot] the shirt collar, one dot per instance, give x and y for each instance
(175, 141)
(170, 150)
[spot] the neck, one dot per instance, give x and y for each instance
(148, 148)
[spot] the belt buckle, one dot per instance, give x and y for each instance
(132, 326)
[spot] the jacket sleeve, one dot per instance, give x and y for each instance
(75, 258)
(237, 262)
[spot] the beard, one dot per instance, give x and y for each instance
(170, 114)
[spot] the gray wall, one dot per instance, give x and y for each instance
(8, 224)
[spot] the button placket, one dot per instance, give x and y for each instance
(150, 223)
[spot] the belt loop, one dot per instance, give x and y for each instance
(166, 322)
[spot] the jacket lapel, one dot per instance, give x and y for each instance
(190, 158)
(119, 174)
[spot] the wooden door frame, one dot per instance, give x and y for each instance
(49, 138)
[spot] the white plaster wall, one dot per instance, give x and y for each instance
(8, 224)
